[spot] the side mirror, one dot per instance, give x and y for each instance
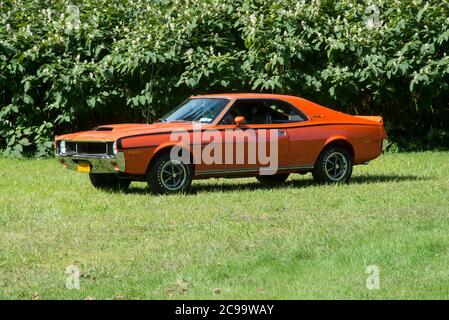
(239, 120)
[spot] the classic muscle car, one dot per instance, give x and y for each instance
(266, 136)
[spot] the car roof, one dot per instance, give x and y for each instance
(245, 95)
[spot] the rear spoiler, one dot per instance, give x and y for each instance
(373, 118)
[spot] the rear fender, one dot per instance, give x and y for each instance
(378, 120)
(343, 140)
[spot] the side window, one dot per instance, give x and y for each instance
(282, 112)
(262, 111)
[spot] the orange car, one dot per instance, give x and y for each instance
(266, 136)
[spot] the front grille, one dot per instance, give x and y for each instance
(91, 148)
(88, 148)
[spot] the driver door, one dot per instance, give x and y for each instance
(256, 146)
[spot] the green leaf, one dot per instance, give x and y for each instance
(26, 86)
(28, 99)
(17, 151)
(403, 67)
(48, 144)
(24, 142)
(91, 102)
(412, 85)
(420, 14)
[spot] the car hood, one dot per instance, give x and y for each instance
(116, 131)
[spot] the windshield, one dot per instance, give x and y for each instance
(200, 110)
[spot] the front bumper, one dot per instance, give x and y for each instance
(98, 163)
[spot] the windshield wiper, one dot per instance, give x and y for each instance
(178, 121)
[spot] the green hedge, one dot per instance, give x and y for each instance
(120, 59)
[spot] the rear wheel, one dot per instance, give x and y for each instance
(108, 181)
(334, 165)
(273, 180)
(167, 176)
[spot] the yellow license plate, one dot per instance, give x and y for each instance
(84, 167)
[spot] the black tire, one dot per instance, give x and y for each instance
(108, 181)
(273, 180)
(161, 182)
(334, 165)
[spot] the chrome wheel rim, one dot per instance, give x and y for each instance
(336, 166)
(173, 175)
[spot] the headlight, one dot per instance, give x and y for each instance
(62, 148)
(114, 148)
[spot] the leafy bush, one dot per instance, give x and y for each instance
(70, 65)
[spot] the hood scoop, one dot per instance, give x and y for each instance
(103, 129)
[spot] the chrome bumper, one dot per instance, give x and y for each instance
(99, 163)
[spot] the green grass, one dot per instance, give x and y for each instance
(230, 239)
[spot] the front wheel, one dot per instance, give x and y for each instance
(334, 165)
(108, 181)
(167, 176)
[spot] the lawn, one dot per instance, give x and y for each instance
(230, 239)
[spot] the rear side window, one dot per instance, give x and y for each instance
(283, 112)
(263, 111)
